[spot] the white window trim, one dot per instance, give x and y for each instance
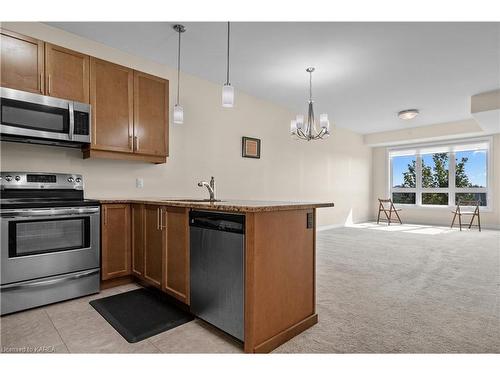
(451, 189)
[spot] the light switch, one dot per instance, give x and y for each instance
(139, 183)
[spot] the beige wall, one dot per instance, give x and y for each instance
(209, 143)
(427, 215)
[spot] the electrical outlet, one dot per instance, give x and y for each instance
(139, 183)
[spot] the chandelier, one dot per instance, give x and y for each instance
(308, 131)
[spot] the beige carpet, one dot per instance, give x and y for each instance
(410, 289)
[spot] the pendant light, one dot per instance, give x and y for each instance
(178, 110)
(227, 89)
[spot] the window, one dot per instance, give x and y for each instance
(440, 175)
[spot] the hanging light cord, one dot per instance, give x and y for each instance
(179, 68)
(310, 86)
(228, 34)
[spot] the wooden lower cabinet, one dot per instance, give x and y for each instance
(115, 241)
(137, 230)
(154, 244)
(176, 275)
(160, 248)
(280, 300)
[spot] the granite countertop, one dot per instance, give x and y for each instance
(223, 205)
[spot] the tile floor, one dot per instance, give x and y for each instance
(75, 327)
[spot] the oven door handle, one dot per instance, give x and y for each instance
(50, 212)
(34, 284)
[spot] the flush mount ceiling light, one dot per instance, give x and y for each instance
(308, 131)
(408, 114)
(178, 110)
(227, 89)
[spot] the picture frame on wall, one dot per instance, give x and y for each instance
(250, 147)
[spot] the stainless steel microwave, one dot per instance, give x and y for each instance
(34, 118)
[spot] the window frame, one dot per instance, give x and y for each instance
(452, 190)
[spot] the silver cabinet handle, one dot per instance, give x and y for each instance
(161, 219)
(136, 139)
(158, 218)
(49, 85)
(31, 284)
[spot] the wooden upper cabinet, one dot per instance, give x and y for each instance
(150, 114)
(115, 241)
(176, 275)
(66, 73)
(154, 244)
(112, 100)
(21, 62)
(137, 239)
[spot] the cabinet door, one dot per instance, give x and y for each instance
(115, 241)
(150, 114)
(176, 275)
(154, 243)
(112, 100)
(21, 62)
(67, 73)
(137, 239)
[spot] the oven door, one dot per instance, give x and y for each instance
(35, 116)
(46, 242)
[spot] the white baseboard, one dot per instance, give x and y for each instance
(334, 226)
(441, 224)
(327, 227)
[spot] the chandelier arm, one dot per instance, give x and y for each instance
(321, 133)
(300, 133)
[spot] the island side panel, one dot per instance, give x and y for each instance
(280, 278)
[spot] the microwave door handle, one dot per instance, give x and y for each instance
(71, 120)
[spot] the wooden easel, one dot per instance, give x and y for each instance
(388, 212)
(458, 212)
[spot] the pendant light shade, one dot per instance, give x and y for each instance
(178, 110)
(227, 89)
(178, 114)
(227, 96)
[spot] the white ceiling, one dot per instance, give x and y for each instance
(365, 72)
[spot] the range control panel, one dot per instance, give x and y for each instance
(40, 180)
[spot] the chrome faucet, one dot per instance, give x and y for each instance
(211, 188)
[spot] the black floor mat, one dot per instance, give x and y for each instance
(140, 313)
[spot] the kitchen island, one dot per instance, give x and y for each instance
(279, 257)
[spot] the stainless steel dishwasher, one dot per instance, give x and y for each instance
(217, 244)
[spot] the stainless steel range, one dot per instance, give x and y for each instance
(49, 240)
